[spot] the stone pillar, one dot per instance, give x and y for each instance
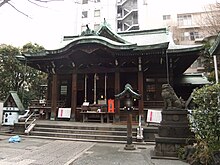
(74, 96)
(54, 97)
(174, 132)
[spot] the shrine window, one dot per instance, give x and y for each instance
(63, 90)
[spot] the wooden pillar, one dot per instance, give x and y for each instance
(54, 97)
(140, 88)
(117, 91)
(171, 71)
(74, 97)
(95, 88)
(141, 91)
(105, 95)
(85, 88)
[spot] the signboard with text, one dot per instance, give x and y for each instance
(64, 112)
(153, 116)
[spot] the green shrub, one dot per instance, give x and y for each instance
(206, 122)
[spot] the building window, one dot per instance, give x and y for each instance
(166, 17)
(85, 14)
(145, 2)
(96, 27)
(184, 20)
(185, 36)
(197, 35)
(84, 1)
(83, 28)
(97, 13)
(192, 37)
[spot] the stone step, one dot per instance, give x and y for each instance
(81, 136)
(83, 131)
(91, 127)
(86, 132)
(86, 140)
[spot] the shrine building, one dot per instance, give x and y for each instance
(90, 69)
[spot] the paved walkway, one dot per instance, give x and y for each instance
(32, 151)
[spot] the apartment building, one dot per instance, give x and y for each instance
(93, 13)
(193, 28)
(121, 15)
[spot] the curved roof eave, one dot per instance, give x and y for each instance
(154, 46)
(88, 40)
(184, 48)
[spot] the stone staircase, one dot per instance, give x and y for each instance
(83, 133)
(93, 132)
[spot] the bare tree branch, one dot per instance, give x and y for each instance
(35, 2)
(4, 2)
(18, 10)
(210, 21)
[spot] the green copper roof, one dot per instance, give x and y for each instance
(132, 40)
(89, 40)
(215, 48)
(16, 99)
(156, 36)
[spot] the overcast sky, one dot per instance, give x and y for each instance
(48, 25)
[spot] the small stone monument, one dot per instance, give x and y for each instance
(174, 131)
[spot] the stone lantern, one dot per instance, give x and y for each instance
(128, 96)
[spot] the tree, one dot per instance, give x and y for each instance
(17, 76)
(33, 78)
(11, 71)
(210, 20)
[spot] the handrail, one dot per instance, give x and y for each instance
(31, 124)
(28, 119)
